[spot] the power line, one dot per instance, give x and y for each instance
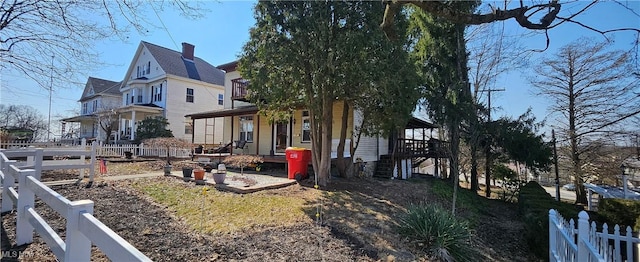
(165, 27)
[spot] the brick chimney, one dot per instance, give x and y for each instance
(187, 51)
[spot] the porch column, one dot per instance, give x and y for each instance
(257, 131)
(120, 126)
(232, 143)
(273, 141)
(132, 125)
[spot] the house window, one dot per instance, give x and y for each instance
(126, 101)
(220, 99)
(189, 95)
(188, 129)
(84, 108)
(246, 128)
(149, 67)
(157, 96)
(95, 106)
(306, 127)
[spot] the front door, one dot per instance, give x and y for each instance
(281, 137)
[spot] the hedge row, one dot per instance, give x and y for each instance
(622, 212)
(534, 203)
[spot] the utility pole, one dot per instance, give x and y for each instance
(50, 91)
(487, 167)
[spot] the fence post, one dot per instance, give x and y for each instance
(78, 246)
(141, 149)
(552, 234)
(9, 181)
(82, 159)
(26, 197)
(92, 168)
(583, 235)
(37, 167)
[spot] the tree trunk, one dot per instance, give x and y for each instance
(341, 162)
(487, 171)
(324, 169)
(455, 148)
(474, 172)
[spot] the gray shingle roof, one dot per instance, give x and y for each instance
(172, 63)
(101, 86)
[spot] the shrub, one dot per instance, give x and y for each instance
(437, 231)
(623, 212)
(534, 203)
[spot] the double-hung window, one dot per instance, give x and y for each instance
(189, 95)
(246, 128)
(157, 96)
(220, 99)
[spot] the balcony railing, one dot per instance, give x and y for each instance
(239, 89)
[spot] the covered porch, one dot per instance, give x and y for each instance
(130, 115)
(247, 132)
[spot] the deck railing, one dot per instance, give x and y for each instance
(239, 88)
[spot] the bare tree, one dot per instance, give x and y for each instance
(52, 41)
(22, 117)
(107, 119)
(593, 94)
(538, 15)
(491, 54)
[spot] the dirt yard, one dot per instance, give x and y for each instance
(356, 224)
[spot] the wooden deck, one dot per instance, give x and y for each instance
(218, 157)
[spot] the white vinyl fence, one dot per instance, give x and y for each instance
(142, 150)
(585, 243)
(82, 228)
(106, 150)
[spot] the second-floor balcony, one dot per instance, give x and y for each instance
(239, 89)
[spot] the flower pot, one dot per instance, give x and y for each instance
(219, 177)
(186, 171)
(167, 170)
(198, 174)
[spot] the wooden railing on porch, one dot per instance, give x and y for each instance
(239, 88)
(413, 148)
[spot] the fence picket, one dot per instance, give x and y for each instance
(585, 243)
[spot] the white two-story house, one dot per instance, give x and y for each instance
(171, 84)
(99, 95)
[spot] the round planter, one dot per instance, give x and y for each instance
(167, 170)
(198, 174)
(186, 172)
(219, 177)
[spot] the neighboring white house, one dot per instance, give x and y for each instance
(159, 82)
(171, 84)
(98, 95)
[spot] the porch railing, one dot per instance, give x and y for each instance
(239, 88)
(411, 148)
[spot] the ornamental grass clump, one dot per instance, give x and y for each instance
(242, 161)
(435, 230)
(168, 143)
